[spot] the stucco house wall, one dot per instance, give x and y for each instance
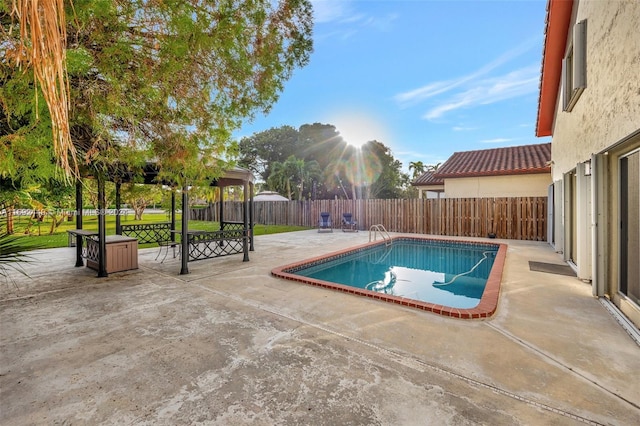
(587, 147)
(528, 185)
(609, 108)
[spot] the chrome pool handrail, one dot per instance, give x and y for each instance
(383, 233)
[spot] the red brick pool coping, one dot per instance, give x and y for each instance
(486, 308)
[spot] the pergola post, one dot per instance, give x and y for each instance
(102, 234)
(79, 261)
(251, 214)
(173, 214)
(118, 223)
(245, 219)
(185, 229)
(221, 215)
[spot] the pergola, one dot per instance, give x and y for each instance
(233, 177)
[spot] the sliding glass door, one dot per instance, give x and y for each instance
(630, 227)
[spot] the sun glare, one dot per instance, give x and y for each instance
(358, 129)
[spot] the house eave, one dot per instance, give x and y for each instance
(432, 188)
(496, 173)
(556, 32)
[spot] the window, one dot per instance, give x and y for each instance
(574, 67)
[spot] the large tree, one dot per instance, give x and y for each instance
(390, 181)
(140, 196)
(260, 151)
(370, 171)
(168, 80)
(319, 143)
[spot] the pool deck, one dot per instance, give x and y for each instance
(230, 344)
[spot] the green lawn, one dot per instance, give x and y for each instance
(39, 237)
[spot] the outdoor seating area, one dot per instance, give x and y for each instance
(205, 244)
(232, 238)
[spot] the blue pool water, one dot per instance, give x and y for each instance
(441, 272)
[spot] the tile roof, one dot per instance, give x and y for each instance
(427, 178)
(515, 160)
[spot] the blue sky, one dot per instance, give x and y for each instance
(427, 78)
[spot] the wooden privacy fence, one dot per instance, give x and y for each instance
(518, 218)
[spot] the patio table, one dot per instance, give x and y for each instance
(76, 237)
(82, 233)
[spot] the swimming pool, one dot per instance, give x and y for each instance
(454, 278)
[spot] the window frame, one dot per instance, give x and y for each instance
(574, 67)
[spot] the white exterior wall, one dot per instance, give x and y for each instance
(532, 185)
(431, 191)
(604, 119)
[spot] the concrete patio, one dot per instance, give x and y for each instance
(228, 344)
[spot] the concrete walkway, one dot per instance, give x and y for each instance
(230, 345)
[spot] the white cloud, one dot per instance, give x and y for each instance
(475, 89)
(462, 100)
(424, 92)
(382, 23)
(514, 84)
(330, 10)
(463, 128)
(346, 20)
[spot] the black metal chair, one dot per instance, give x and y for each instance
(348, 224)
(324, 223)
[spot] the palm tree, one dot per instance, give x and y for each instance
(433, 167)
(293, 176)
(280, 178)
(274, 181)
(418, 168)
(310, 172)
(11, 255)
(42, 24)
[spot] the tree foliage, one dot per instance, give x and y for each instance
(41, 47)
(418, 168)
(433, 167)
(295, 177)
(332, 168)
(390, 182)
(261, 151)
(140, 196)
(168, 80)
